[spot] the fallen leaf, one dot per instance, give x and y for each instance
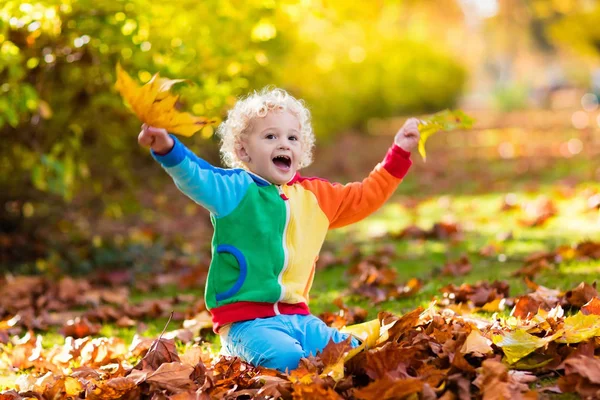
(389, 388)
(161, 351)
(457, 268)
(582, 376)
(519, 343)
(173, 376)
(477, 344)
(113, 389)
(314, 392)
(580, 327)
(582, 294)
(525, 307)
(80, 327)
(385, 361)
(591, 307)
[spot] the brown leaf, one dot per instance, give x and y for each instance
(384, 361)
(431, 375)
(588, 250)
(274, 387)
(396, 327)
(493, 381)
(101, 351)
(314, 392)
(591, 307)
(173, 376)
(334, 352)
(63, 387)
(125, 322)
(460, 267)
(533, 268)
(113, 389)
(526, 307)
(80, 327)
(582, 294)
(459, 384)
(479, 294)
(411, 232)
(477, 344)
(444, 230)
(389, 388)
(161, 351)
(582, 375)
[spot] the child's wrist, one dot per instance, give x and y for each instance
(164, 147)
(404, 147)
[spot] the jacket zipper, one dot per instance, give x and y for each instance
(285, 250)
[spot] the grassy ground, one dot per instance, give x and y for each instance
(477, 212)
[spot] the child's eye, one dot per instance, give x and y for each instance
(270, 136)
(293, 138)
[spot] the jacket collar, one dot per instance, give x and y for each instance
(260, 181)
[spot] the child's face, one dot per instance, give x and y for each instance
(272, 148)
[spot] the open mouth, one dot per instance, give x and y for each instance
(283, 162)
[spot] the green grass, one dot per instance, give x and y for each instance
(482, 220)
(483, 224)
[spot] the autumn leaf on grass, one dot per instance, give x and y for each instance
(333, 357)
(581, 295)
(447, 120)
(161, 351)
(582, 375)
(173, 376)
(154, 105)
(115, 388)
(389, 388)
(495, 381)
(591, 307)
(580, 327)
(460, 267)
(368, 331)
(477, 344)
(519, 343)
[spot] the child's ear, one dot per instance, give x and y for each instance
(241, 153)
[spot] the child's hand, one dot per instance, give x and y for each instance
(156, 138)
(408, 136)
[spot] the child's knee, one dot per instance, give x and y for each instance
(284, 359)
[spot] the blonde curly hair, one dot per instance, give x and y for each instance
(257, 105)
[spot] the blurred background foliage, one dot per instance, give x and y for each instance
(69, 144)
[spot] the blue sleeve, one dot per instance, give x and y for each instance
(216, 189)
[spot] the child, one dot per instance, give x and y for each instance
(270, 222)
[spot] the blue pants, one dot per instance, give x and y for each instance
(279, 342)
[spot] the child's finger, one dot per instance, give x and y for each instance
(145, 139)
(153, 130)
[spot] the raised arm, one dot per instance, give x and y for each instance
(346, 204)
(218, 190)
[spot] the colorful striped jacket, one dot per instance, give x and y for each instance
(267, 237)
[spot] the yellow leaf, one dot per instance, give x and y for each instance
(518, 344)
(368, 331)
(446, 120)
(580, 327)
(72, 387)
(154, 105)
(476, 343)
(335, 371)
